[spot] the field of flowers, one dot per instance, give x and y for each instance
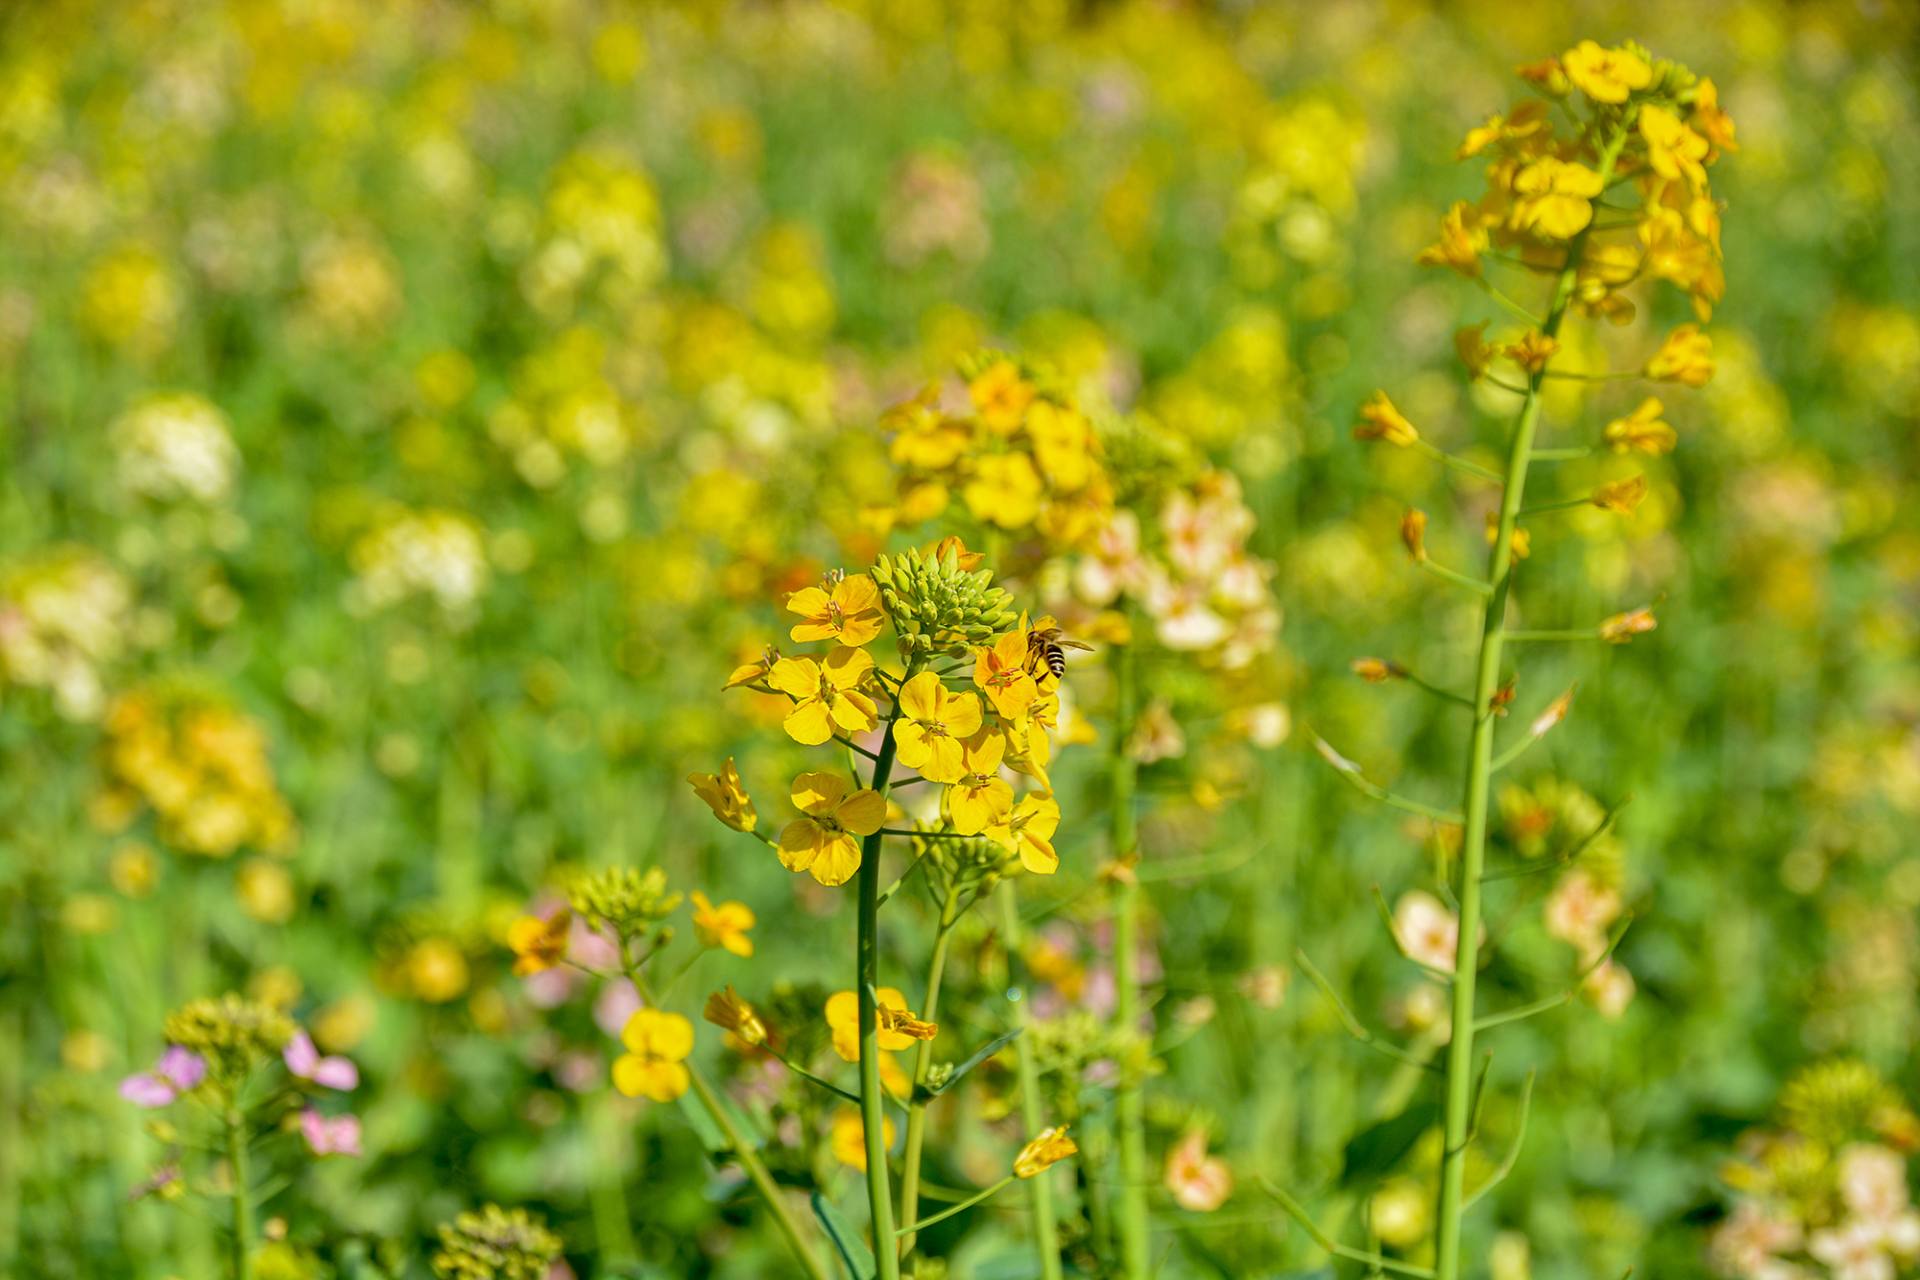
(959, 639)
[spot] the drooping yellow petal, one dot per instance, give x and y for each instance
(863, 812)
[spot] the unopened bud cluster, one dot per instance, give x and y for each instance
(938, 608)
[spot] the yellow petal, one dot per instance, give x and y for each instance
(818, 792)
(863, 812)
(839, 859)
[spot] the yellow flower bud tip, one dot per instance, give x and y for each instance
(1380, 420)
(726, 1010)
(1621, 497)
(1048, 1148)
(1413, 533)
(1533, 351)
(1377, 670)
(1623, 627)
(724, 794)
(539, 945)
(1556, 712)
(906, 1023)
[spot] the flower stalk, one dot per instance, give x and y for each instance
(922, 1064)
(866, 983)
(1500, 563)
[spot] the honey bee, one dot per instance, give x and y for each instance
(1046, 648)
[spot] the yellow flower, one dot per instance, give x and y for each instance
(1532, 351)
(851, 614)
(538, 945)
(1673, 150)
(726, 796)
(933, 721)
(925, 439)
(726, 1010)
(1048, 1148)
(1606, 75)
(1028, 829)
(1621, 496)
(1642, 429)
(1622, 627)
(843, 1022)
(1709, 119)
(1000, 671)
(1004, 490)
(1686, 356)
(1528, 118)
(1063, 445)
(1475, 352)
(1001, 396)
(1380, 420)
(964, 560)
(724, 926)
(1522, 543)
(980, 798)
(1463, 238)
(826, 695)
(824, 842)
(1377, 670)
(1413, 533)
(753, 672)
(849, 1138)
(653, 1066)
(1555, 197)
(905, 1023)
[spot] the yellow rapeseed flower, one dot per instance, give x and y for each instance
(726, 796)
(933, 722)
(1000, 672)
(1048, 1148)
(1673, 150)
(1606, 75)
(1001, 396)
(826, 695)
(843, 1022)
(1028, 829)
(849, 613)
(1642, 430)
(1621, 496)
(1533, 351)
(1622, 627)
(849, 1137)
(654, 1064)
(726, 1010)
(1380, 420)
(1005, 489)
(1554, 197)
(724, 926)
(539, 945)
(1686, 356)
(1463, 238)
(980, 798)
(825, 843)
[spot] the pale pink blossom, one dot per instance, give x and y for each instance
(1195, 1180)
(177, 1072)
(1428, 932)
(330, 1136)
(331, 1072)
(1579, 911)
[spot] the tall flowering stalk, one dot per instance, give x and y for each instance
(1596, 184)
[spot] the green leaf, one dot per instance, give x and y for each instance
(980, 1055)
(1379, 1147)
(845, 1237)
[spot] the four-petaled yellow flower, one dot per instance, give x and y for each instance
(843, 1021)
(1642, 429)
(1027, 829)
(980, 797)
(726, 1010)
(850, 613)
(539, 945)
(934, 722)
(726, 796)
(1048, 1148)
(1463, 238)
(654, 1064)
(1533, 351)
(1606, 75)
(1000, 672)
(1686, 356)
(724, 926)
(826, 695)
(1380, 420)
(1555, 197)
(1005, 490)
(1001, 395)
(825, 843)
(1673, 150)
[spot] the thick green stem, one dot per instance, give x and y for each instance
(866, 982)
(1473, 848)
(1131, 1208)
(242, 1195)
(1046, 1236)
(744, 1152)
(922, 1064)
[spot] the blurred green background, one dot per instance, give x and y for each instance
(411, 411)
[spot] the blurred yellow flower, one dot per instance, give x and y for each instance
(843, 1022)
(657, 1046)
(1606, 75)
(1001, 396)
(1047, 1148)
(724, 926)
(1555, 197)
(933, 722)
(1622, 627)
(1673, 150)
(848, 1140)
(1533, 351)
(726, 1010)
(1004, 489)
(725, 795)
(1380, 420)
(1642, 430)
(1621, 497)
(539, 945)
(1686, 356)
(824, 843)
(826, 695)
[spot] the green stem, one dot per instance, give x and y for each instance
(744, 1152)
(1460, 1060)
(873, 1116)
(1046, 1236)
(1131, 1209)
(922, 1064)
(242, 1194)
(906, 1233)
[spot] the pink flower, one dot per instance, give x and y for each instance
(1579, 911)
(331, 1136)
(178, 1071)
(1194, 1179)
(329, 1073)
(1428, 932)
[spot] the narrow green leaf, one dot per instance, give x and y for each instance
(845, 1237)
